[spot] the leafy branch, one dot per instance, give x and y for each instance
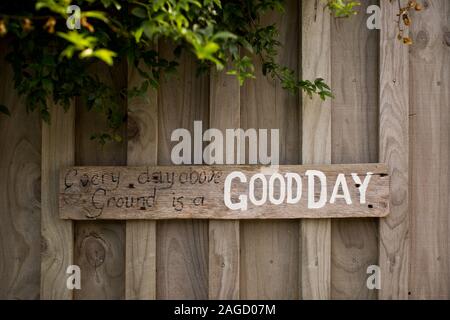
(51, 62)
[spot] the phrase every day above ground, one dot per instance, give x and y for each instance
(224, 192)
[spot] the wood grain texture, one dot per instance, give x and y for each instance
(355, 82)
(182, 246)
(99, 246)
(224, 255)
(58, 148)
(224, 237)
(269, 250)
(315, 235)
(20, 195)
(140, 251)
(99, 251)
(430, 142)
(394, 108)
(98, 193)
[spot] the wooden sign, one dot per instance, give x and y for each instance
(224, 192)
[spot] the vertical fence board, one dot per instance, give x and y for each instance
(315, 234)
(57, 235)
(99, 245)
(140, 250)
(430, 142)
(269, 250)
(354, 140)
(224, 244)
(20, 209)
(182, 246)
(394, 108)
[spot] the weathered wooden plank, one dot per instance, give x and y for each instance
(315, 235)
(99, 246)
(269, 250)
(224, 244)
(182, 246)
(201, 192)
(394, 108)
(58, 146)
(140, 251)
(20, 196)
(354, 138)
(430, 135)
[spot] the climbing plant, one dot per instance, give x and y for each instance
(52, 46)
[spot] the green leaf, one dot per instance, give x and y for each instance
(224, 35)
(105, 55)
(139, 12)
(149, 29)
(47, 84)
(96, 15)
(4, 110)
(138, 34)
(45, 116)
(117, 137)
(79, 40)
(117, 5)
(206, 52)
(86, 53)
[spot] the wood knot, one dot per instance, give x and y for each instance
(422, 39)
(133, 128)
(95, 250)
(44, 245)
(447, 38)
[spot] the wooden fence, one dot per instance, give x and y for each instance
(392, 105)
